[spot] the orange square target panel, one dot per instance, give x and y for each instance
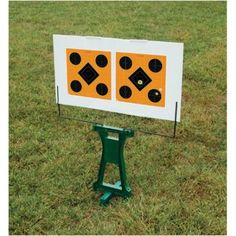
(141, 78)
(88, 73)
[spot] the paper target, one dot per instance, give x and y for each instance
(134, 77)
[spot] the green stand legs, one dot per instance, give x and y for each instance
(113, 152)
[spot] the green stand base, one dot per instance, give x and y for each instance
(113, 152)
(104, 199)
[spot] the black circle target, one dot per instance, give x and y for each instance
(75, 58)
(101, 89)
(125, 63)
(76, 86)
(101, 60)
(155, 65)
(125, 92)
(154, 95)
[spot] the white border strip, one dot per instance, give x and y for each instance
(4, 118)
(231, 118)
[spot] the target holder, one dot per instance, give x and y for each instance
(113, 152)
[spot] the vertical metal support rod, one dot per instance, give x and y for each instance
(58, 104)
(175, 124)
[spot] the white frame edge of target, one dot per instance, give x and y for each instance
(174, 73)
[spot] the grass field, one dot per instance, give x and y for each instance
(179, 185)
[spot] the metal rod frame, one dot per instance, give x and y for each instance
(173, 135)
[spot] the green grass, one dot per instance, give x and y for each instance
(179, 185)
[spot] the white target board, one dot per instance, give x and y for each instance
(133, 77)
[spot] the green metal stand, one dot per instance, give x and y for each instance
(113, 152)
